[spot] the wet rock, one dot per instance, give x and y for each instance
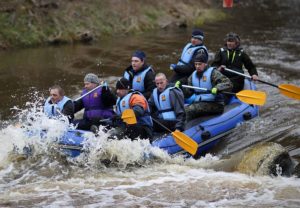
(266, 159)
(296, 171)
(262, 159)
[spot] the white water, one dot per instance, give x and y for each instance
(48, 179)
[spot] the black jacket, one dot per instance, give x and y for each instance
(184, 71)
(148, 81)
(235, 60)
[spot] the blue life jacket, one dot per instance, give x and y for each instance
(51, 109)
(203, 82)
(188, 52)
(163, 104)
(93, 106)
(138, 79)
(123, 104)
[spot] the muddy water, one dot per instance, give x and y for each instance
(268, 34)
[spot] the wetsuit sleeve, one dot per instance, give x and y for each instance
(177, 102)
(149, 84)
(68, 110)
(107, 97)
(249, 64)
(220, 81)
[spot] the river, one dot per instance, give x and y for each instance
(270, 33)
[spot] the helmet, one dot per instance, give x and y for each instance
(232, 37)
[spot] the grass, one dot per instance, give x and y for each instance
(31, 25)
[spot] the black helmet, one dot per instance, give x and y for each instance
(232, 37)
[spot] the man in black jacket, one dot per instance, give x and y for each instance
(232, 56)
(185, 66)
(140, 75)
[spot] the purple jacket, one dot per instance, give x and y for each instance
(94, 108)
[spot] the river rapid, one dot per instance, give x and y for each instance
(116, 173)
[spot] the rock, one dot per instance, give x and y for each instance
(262, 159)
(84, 37)
(296, 171)
(266, 159)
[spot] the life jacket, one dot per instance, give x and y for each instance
(203, 82)
(51, 110)
(188, 52)
(138, 82)
(93, 106)
(163, 104)
(235, 62)
(123, 104)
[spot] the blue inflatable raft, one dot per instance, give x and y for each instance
(206, 131)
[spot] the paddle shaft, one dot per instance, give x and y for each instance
(161, 124)
(82, 96)
(206, 90)
(249, 77)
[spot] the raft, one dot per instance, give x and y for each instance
(206, 131)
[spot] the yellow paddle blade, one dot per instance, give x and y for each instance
(252, 97)
(187, 143)
(128, 116)
(290, 91)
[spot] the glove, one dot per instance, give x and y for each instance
(172, 66)
(214, 91)
(178, 84)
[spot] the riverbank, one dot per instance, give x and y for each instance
(41, 22)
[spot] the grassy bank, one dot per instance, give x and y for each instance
(27, 23)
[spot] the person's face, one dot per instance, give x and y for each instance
(161, 83)
(200, 66)
(55, 96)
(122, 92)
(195, 41)
(231, 44)
(89, 86)
(136, 63)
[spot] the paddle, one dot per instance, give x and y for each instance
(128, 116)
(184, 141)
(246, 96)
(181, 139)
(289, 90)
(89, 92)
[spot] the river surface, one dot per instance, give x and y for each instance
(271, 36)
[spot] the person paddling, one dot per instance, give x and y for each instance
(130, 99)
(232, 56)
(185, 66)
(58, 104)
(140, 75)
(167, 105)
(205, 103)
(97, 105)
